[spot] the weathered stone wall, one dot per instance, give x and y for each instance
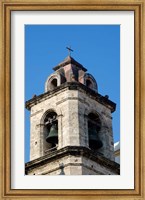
(87, 105)
(37, 145)
(72, 108)
(65, 104)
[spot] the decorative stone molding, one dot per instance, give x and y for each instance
(72, 86)
(73, 151)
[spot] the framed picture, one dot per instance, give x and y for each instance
(33, 30)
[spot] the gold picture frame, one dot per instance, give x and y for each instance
(6, 6)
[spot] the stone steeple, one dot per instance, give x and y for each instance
(71, 125)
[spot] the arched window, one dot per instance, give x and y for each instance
(94, 126)
(53, 84)
(50, 131)
(89, 83)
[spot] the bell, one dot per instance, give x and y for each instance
(53, 134)
(94, 141)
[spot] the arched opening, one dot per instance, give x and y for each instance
(94, 126)
(53, 84)
(50, 132)
(89, 84)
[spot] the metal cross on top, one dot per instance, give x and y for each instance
(69, 50)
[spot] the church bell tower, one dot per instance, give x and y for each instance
(71, 125)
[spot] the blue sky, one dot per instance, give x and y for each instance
(96, 47)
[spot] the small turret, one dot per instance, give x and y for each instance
(70, 71)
